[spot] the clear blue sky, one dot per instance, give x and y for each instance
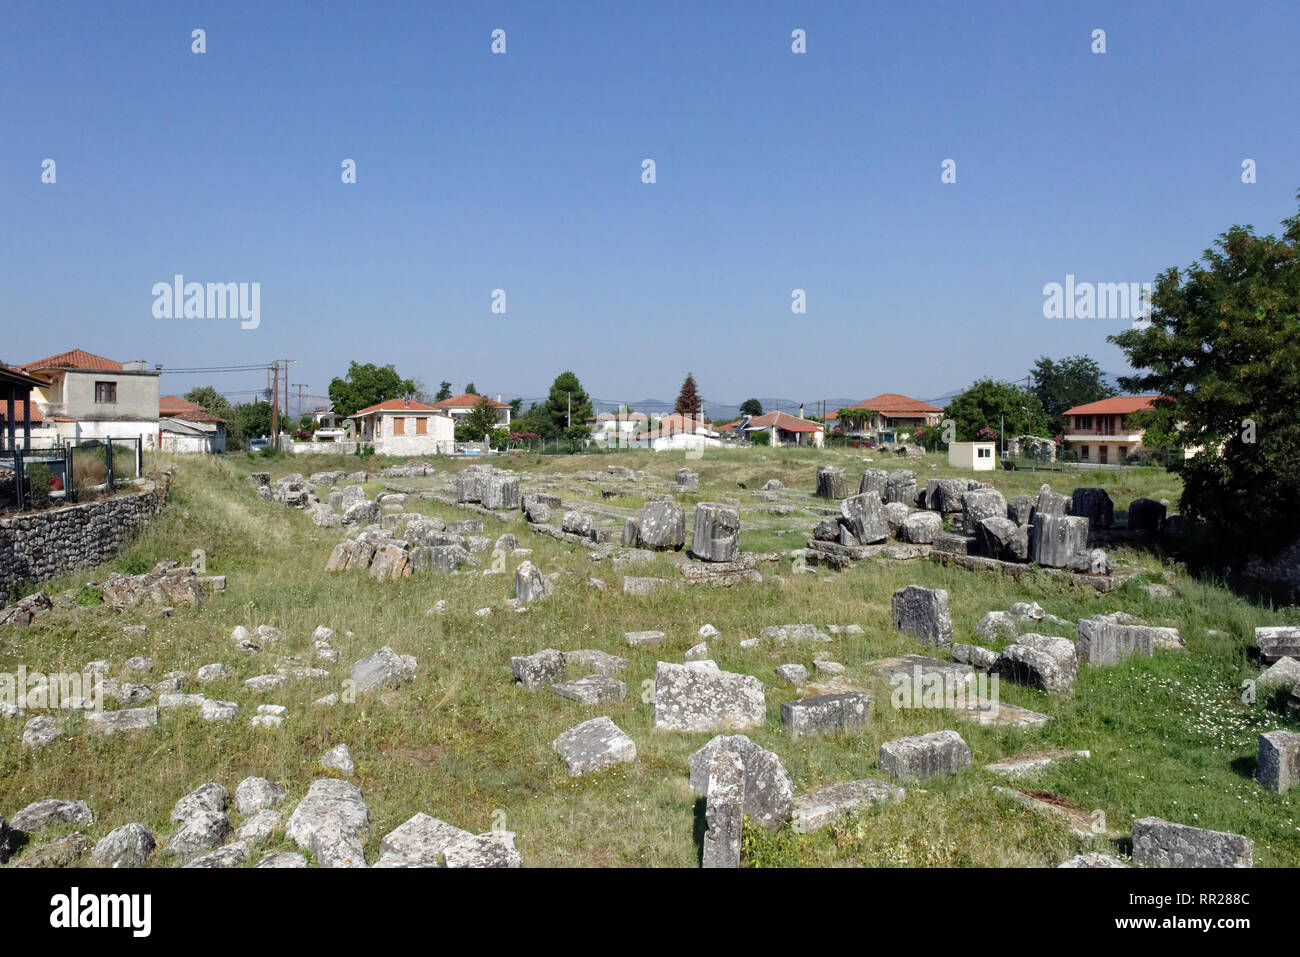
(523, 172)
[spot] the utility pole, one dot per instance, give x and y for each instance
(568, 415)
(300, 386)
(275, 402)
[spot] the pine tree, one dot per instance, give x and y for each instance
(688, 400)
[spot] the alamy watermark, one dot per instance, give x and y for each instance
(57, 691)
(1104, 300)
(944, 689)
(179, 299)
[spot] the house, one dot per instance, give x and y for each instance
(1101, 432)
(87, 396)
(784, 429)
(185, 426)
(21, 421)
(893, 413)
(329, 424)
(459, 406)
(680, 432)
(977, 456)
(405, 427)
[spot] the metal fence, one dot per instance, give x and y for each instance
(48, 475)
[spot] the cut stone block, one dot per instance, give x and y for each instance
(592, 689)
(923, 613)
(816, 810)
(1161, 843)
(1279, 761)
(697, 696)
(826, 714)
(924, 756)
(593, 746)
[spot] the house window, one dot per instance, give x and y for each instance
(422, 426)
(106, 392)
(984, 453)
(399, 425)
(1083, 453)
(1103, 453)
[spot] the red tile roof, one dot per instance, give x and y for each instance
(466, 400)
(896, 404)
(1117, 405)
(18, 412)
(785, 422)
(396, 405)
(173, 406)
(74, 359)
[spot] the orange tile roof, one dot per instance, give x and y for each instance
(1117, 405)
(74, 359)
(18, 412)
(786, 422)
(396, 405)
(466, 400)
(894, 403)
(175, 406)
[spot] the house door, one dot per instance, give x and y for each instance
(1103, 454)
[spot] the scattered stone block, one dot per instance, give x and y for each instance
(593, 746)
(591, 689)
(1161, 843)
(716, 535)
(331, 822)
(697, 696)
(1278, 769)
(923, 613)
(538, 670)
(1040, 661)
(530, 584)
(724, 810)
(924, 756)
(826, 714)
(815, 810)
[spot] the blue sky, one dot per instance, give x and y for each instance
(522, 172)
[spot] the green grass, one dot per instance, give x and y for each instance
(1169, 735)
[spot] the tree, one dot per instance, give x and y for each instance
(688, 400)
(567, 406)
(751, 407)
(1222, 349)
(470, 390)
(1074, 380)
(515, 404)
(988, 403)
(444, 391)
(217, 404)
(254, 420)
(854, 419)
(367, 385)
(481, 420)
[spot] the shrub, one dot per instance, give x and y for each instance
(38, 485)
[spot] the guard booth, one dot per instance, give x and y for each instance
(977, 456)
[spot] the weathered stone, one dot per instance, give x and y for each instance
(362, 513)
(257, 794)
(494, 849)
(827, 530)
(382, 670)
(63, 851)
(643, 586)
(924, 756)
(1095, 505)
(200, 831)
(768, 788)
(793, 674)
(1282, 676)
(1094, 859)
(538, 670)
(1277, 641)
(599, 662)
(826, 714)
(538, 506)
(1161, 843)
(1056, 539)
(1109, 639)
(831, 483)
(1146, 515)
(593, 746)
(724, 810)
(232, 855)
(1050, 503)
(920, 528)
(687, 480)
(39, 815)
(127, 846)
(816, 810)
(864, 517)
(974, 655)
(717, 532)
(591, 689)
(258, 828)
(944, 495)
(1278, 769)
(979, 504)
(793, 634)
(1020, 508)
(1094, 561)
(217, 711)
(339, 758)
(697, 696)
(331, 822)
(922, 613)
(391, 561)
(419, 842)
(644, 639)
(900, 488)
(114, 722)
(469, 484)
(530, 584)
(501, 490)
(260, 684)
(213, 672)
(283, 859)
(40, 732)
(662, 526)
(1003, 539)
(1039, 661)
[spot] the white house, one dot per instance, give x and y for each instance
(978, 456)
(459, 406)
(405, 427)
(185, 426)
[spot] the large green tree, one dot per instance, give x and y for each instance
(367, 385)
(751, 407)
(481, 420)
(254, 420)
(1222, 348)
(688, 399)
(1065, 383)
(567, 403)
(444, 391)
(987, 404)
(214, 402)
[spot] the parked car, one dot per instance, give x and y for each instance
(256, 445)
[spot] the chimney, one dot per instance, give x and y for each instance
(801, 410)
(406, 402)
(498, 396)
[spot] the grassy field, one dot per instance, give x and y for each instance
(1169, 735)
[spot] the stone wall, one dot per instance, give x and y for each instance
(35, 546)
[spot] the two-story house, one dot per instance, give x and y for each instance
(1102, 432)
(892, 413)
(405, 427)
(459, 406)
(90, 397)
